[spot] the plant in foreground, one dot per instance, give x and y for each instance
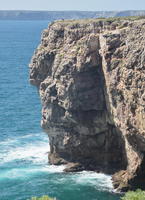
(43, 198)
(134, 195)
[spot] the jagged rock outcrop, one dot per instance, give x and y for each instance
(91, 79)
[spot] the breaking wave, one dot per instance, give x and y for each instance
(25, 148)
(99, 180)
(29, 154)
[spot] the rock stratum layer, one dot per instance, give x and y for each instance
(91, 79)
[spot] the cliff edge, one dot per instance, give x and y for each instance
(91, 79)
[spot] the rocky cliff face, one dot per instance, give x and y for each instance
(91, 79)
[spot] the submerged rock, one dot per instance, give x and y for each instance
(91, 79)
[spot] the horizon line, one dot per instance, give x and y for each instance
(27, 10)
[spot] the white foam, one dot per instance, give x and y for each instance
(26, 172)
(53, 168)
(99, 180)
(35, 151)
(10, 141)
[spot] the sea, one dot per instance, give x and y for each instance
(24, 168)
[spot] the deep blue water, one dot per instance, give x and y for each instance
(24, 171)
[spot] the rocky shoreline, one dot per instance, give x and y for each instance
(91, 79)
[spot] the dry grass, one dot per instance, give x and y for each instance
(96, 20)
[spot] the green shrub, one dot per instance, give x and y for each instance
(134, 195)
(42, 198)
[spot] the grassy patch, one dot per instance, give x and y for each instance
(42, 198)
(109, 20)
(134, 195)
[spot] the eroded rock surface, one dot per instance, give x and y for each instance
(91, 79)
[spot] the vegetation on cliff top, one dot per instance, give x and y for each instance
(93, 20)
(134, 195)
(45, 197)
(130, 195)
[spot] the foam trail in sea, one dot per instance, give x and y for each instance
(25, 148)
(18, 173)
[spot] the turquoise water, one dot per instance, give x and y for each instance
(24, 169)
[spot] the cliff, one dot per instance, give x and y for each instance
(91, 79)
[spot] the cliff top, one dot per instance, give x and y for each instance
(110, 19)
(76, 23)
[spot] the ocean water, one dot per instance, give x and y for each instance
(24, 168)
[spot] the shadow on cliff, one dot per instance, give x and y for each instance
(117, 159)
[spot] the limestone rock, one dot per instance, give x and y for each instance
(91, 79)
